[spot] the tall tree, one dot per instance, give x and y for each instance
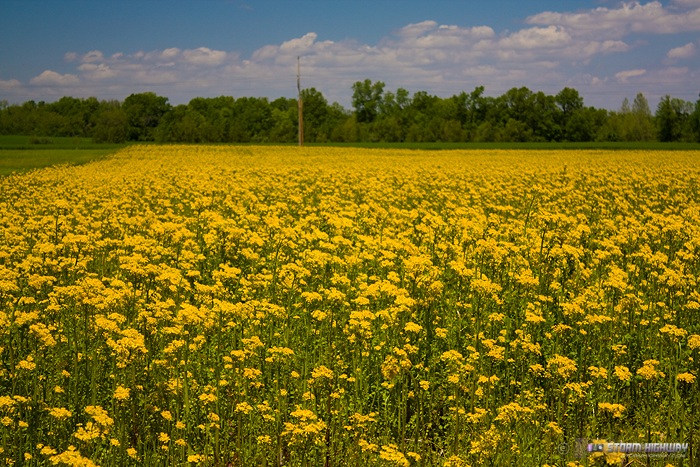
(366, 99)
(111, 124)
(695, 122)
(315, 115)
(571, 121)
(641, 125)
(144, 111)
(672, 119)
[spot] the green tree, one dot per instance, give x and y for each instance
(641, 124)
(251, 120)
(111, 124)
(673, 119)
(695, 122)
(144, 112)
(571, 120)
(633, 122)
(545, 127)
(315, 108)
(366, 99)
(284, 120)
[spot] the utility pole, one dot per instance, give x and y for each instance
(301, 105)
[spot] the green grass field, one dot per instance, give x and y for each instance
(603, 145)
(24, 153)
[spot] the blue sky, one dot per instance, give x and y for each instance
(606, 49)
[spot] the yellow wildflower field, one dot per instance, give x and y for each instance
(216, 305)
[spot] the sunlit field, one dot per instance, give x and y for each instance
(284, 306)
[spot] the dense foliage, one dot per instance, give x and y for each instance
(283, 306)
(519, 115)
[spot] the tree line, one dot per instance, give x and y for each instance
(378, 115)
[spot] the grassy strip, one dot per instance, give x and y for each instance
(37, 143)
(40, 143)
(23, 160)
(24, 153)
(603, 145)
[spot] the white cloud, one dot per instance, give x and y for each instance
(9, 84)
(615, 23)
(301, 44)
(686, 51)
(624, 76)
(52, 78)
(98, 71)
(92, 57)
(686, 3)
(203, 56)
(169, 54)
(537, 38)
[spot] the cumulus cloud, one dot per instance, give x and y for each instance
(686, 51)
(686, 3)
(614, 23)
(299, 45)
(624, 76)
(97, 71)
(169, 54)
(10, 83)
(92, 57)
(204, 56)
(52, 78)
(537, 38)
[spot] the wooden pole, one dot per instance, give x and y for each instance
(301, 105)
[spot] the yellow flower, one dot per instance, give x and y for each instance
(60, 413)
(391, 454)
(367, 446)
(686, 377)
(616, 410)
(694, 341)
(27, 364)
(47, 451)
(648, 370)
(563, 366)
(71, 456)
(122, 393)
(88, 432)
(207, 398)
(322, 372)
(99, 415)
(243, 407)
(623, 373)
(598, 372)
(413, 327)
(555, 428)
